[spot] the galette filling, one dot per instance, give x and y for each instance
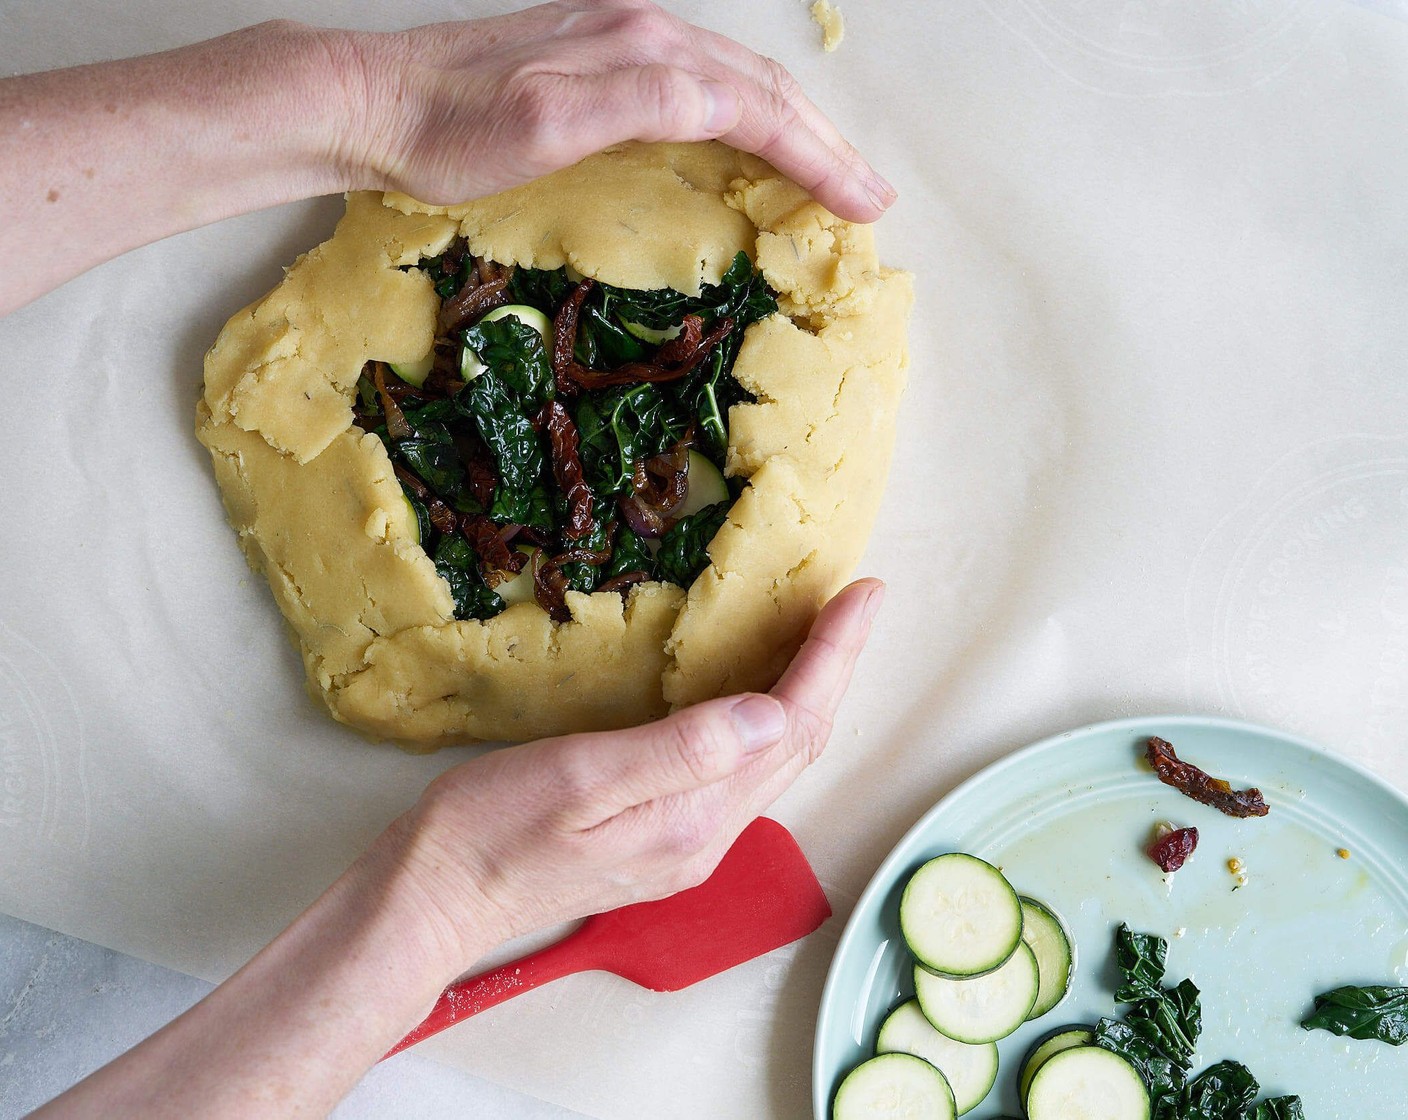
(563, 434)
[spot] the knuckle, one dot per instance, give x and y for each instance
(661, 87)
(574, 779)
(696, 747)
(649, 27)
(811, 729)
(780, 81)
(535, 110)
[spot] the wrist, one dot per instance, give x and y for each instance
(304, 88)
(342, 80)
(458, 920)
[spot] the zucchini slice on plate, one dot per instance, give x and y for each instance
(894, 1087)
(960, 917)
(1046, 936)
(1087, 1083)
(985, 1008)
(970, 1070)
(1062, 1038)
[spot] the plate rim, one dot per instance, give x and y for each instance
(881, 877)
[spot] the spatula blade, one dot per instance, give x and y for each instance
(762, 895)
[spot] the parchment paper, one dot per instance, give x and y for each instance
(1153, 458)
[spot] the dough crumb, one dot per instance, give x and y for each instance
(828, 18)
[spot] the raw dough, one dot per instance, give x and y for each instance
(319, 511)
(828, 18)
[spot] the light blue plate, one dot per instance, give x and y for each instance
(1067, 818)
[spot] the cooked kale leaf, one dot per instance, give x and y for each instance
(683, 554)
(1159, 1034)
(618, 427)
(621, 425)
(604, 341)
(1166, 1022)
(1141, 959)
(584, 577)
(434, 458)
(1221, 1092)
(530, 507)
(629, 554)
(458, 566)
(1277, 1108)
(741, 294)
(505, 429)
(515, 352)
(1375, 1011)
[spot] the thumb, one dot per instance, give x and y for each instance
(693, 748)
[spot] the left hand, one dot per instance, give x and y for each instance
(561, 828)
(460, 110)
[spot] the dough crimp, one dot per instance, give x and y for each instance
(319, 511)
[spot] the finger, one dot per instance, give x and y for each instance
(817, 677)
(653, 102)
(695, 747)
(811, 692)
(777, 120)
(695, 826)
(769, 74)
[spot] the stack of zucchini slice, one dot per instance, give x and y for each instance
(987, 960)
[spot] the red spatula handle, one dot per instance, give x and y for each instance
(474, 994)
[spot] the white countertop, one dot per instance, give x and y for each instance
(1154, 458)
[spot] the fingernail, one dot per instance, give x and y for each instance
(872, 602)
(879, 190)
(759, 721)
(724, 107)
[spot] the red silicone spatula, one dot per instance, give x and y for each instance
(763, 895)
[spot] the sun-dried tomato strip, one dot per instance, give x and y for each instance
(481, 475)
(488, 270)
(1173, 848)
(1201, 786)
(564, 338)
(673, 359)
(399, 390)
(550, 588)
(563, 442)
(683, 345)
(496, 559)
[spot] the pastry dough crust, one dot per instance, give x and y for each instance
(319, 511)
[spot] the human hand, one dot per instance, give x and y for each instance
(453, 111)
(561, 828)
(459, 110)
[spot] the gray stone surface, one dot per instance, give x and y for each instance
(68, 1006)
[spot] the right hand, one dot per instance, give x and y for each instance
(532, 835)
(456, 111)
